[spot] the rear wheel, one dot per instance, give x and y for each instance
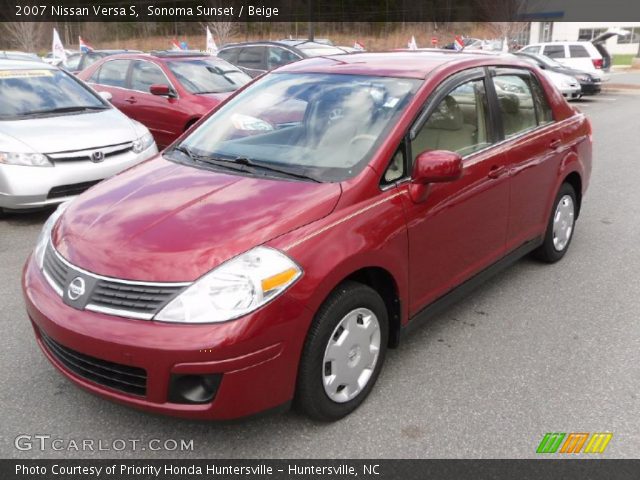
(343, 353)
(560, 227)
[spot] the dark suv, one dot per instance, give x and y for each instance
(256, 58)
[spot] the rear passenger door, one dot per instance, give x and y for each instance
(111, 77)
(460, 228)
(533, 145)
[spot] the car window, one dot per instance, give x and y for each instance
(145, 74)
(458, 123)
(535, 49)
(544, 114)
(554, 51)
(396, 169)
(73, 61)
(229, 54)
(90, 59)
(578, 51)
(42, 91)
(113, 73)
(208, 76)
(516, 104)
(276, 57)
(252, 57)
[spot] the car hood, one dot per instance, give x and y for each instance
(52, 134)
(161, 221)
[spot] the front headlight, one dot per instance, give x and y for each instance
(235, 288)
(142, 143)
(25, 159)
(583, 78)
(45, 233)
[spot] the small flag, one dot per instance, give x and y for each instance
(212, 48)
(412, 45)
(458, 43)
(84, 46)
(358, 46)
(175, 45)
(505, 45)
(57, 48)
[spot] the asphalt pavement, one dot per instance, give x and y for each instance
(537, 349)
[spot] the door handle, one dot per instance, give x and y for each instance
(131, 100)
(497, 171)
(555, 144)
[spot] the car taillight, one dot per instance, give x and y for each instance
(597, 62)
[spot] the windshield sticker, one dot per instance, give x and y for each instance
(5, 74)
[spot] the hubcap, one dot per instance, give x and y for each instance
(563, 220)
(351, 355)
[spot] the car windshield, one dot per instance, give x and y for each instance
(208, 76)
(25, 93)
(323, 126)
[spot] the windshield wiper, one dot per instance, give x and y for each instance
(208, 159)
(67, 110)
(267, 166)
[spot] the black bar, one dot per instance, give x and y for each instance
(322, 469)
(317, 11)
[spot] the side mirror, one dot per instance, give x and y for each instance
(106, 96)
(434, 166)
(161, 90)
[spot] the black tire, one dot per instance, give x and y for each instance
(547, 252)
(311, 397)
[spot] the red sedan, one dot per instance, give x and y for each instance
(166, 91)
(275, 252)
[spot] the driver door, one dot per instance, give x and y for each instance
(460, 227)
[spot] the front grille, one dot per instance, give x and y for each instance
(134, 298)
(85, 155)
(70, 190)
(132, 380)
(109, 295)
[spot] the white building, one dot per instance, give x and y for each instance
(571, 31)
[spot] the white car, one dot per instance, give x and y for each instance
(591, 57)
(569, 86)
(58, 137)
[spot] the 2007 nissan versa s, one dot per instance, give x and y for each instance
(276, 251)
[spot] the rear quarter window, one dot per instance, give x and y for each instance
(578, 51)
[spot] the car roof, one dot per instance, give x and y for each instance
(155, 56)
(278, 43)
(6, 64)
(409, 64)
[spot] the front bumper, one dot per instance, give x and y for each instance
(571, 92)
(591, 88)
(24, 187)
(257, 355)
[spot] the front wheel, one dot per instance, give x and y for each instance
(560, 227)
(343, 353)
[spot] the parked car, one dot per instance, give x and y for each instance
(256, 58)
(58, 137)
(590, 56)
(15, 55)
(280, 247)
(52, 59)
(166, 91)
(79, 61)
(590, 84)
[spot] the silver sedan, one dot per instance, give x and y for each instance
(58, 137)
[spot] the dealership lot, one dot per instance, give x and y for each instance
(537, 349)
